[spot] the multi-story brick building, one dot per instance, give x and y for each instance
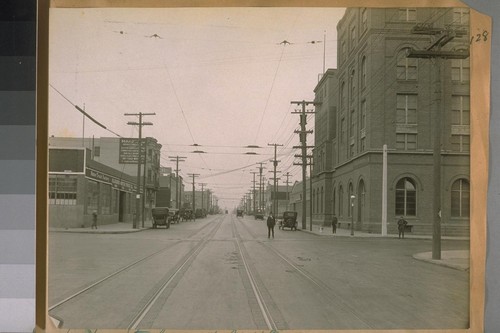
(378, 96)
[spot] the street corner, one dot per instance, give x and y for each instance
(456, 259)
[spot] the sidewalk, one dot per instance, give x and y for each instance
(458, 259)
(114, 228)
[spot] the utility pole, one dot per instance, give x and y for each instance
(253, 182)
(275, 164)
(260, 186)
(303, 140)
(439, 38)
(194, 207)
(287, 175)
(139, 143)
(177, 159)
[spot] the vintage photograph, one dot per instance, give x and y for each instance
(260, 168)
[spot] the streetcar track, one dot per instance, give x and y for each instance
(109, 276)
(189, 257)
(134, 264)
(264, 309)
(326, 291)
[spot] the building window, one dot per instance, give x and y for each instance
(362, 145)
(342, 96)
(406, 197)
(460, 120)
(363, 72)
(460, 70)
(364, 19)
(342, 130)
(353, 37)
(97, 151)
(62, 190)
(105, 197)
(352, 119)
(460, 198)
(460, 15)
(406, 109)
(352, 88)
(406, 67)
(343, 52)
(362, 118)
(406, 141)
(407, 14)
(92, 196)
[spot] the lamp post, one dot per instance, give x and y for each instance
(352, 214)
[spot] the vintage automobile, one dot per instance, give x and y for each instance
(187, 214)
(174, 215)
(289, 221)
(239, 212)
(259, 215)
(160, 217)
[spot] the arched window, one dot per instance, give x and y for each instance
(460, 198)
(406, 197)
(406, 67)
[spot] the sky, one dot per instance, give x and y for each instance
(220, 78)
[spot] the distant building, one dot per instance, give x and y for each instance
(378, 96)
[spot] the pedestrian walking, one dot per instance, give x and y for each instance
(271, 221)
(334, 224)
(401, 227)
(94, 220)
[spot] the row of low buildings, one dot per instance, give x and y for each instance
(99, 175)
(378, 96)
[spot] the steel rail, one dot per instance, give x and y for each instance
(271, 325)
(190, 255)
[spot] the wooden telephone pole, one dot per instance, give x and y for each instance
(303, 140)
(440, 37)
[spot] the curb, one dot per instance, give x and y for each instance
(441, 262)
(98, 231)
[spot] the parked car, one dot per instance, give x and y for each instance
(239, 212)
(160, 217)
(187, 214)
(174, 215)
(259, 215)
(289, 221)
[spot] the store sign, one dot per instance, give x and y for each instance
(66, 160)
(116, 183)
(129, 151)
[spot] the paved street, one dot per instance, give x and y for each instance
(222, 272)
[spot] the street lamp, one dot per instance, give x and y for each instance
(352, 214)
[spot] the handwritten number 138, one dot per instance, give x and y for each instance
(480, 37)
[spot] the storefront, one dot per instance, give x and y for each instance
(78, 186)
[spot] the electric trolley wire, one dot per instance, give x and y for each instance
(83, 111)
